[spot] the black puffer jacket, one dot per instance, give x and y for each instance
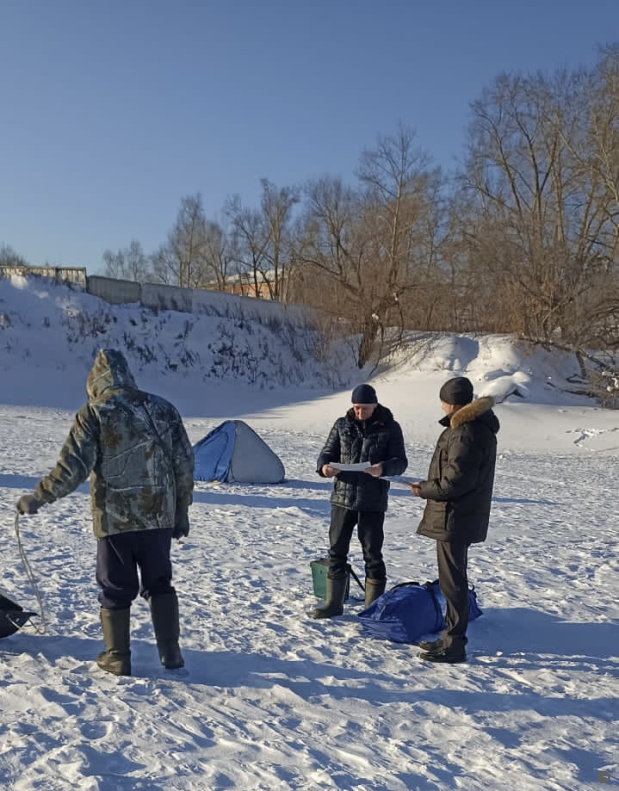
(461, 476)
(377, 440)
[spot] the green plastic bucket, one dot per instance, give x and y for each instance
(319, 578)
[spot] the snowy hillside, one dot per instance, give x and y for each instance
(50, 333)
(47, 329)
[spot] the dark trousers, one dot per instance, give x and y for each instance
(371, 536)
(119, 557)
(452, 562)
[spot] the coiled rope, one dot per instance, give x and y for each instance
(22, 554)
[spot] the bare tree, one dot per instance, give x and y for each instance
(218, 256)
(277, 205)
(402, 197)
(8, 257)
(326, 268)
(262, 238)
(129, 263)
(599, 320)
(249, 239)
(372, 245)
(182, 260)
(542, 221)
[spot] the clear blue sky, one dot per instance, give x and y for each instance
(111, 111)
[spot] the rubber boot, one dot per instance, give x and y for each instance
(336, 593)
(450, 655)
(116, 658)
(373, 589)
(164, 612)
(433, 645)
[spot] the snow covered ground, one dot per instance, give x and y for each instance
(271, 699)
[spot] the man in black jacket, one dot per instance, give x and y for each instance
(366, 434)
(459, 493)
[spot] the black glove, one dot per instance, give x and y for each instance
(28, 504)
(181, 524)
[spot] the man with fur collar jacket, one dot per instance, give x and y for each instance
(458, 493)
(366, 435)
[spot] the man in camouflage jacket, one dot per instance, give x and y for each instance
(140, 461)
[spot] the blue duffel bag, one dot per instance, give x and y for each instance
(409, 610)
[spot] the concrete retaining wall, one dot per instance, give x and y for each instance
(159, 297)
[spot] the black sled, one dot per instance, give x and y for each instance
(12, 616)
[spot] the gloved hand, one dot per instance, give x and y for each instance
(28, 504)
(181, 524)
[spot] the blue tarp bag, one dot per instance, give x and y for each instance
(410, 610)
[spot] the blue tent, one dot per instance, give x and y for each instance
(234, 453)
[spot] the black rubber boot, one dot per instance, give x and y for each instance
(116, 658)
(164, 612)
(433, 645)
(450, 655)
(373, 589)
(334, 604)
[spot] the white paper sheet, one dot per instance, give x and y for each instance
(358, 467)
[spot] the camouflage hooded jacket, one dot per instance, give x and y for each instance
(135, 449)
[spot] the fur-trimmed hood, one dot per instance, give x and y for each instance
(471, 411)
(481, 409)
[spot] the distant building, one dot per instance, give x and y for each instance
(246, 284)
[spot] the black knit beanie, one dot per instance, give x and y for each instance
(458, 391)
(364, 394)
